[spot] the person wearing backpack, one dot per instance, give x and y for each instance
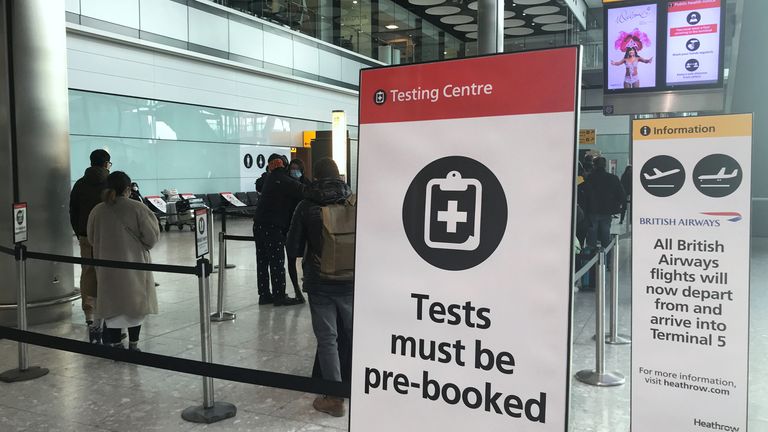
(323, 231)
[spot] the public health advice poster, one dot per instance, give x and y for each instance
(464, 244)
(690, 273)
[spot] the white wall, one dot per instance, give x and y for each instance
(605, 125)
(153, 72)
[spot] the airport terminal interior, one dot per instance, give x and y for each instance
(197, 100)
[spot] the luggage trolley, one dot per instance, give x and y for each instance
(180, 217)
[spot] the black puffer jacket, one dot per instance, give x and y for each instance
(86, 193)
(306, 235)
(278, 198)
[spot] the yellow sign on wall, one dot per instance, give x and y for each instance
(587, 137)
(308, 136)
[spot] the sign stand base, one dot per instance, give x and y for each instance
(606, 379)
(224, 316)
(18, 375)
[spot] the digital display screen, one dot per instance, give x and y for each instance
(693, 42)
(631, 43)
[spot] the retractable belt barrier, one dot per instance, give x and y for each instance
(210, 411)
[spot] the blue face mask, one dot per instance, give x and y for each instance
(295, 173)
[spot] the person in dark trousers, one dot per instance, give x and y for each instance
(296, 170)
(604, 197)
(85, 195)
(330, 301)
(279, 197)
(626, 183)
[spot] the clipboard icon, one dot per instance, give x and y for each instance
(461, 227)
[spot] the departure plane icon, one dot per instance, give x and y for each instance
(720, 176)
(658, 174)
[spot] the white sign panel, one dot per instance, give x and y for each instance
(690, 273)
(158, 203)
(253, 163)
(693, 42)
(19, 222)
(201, 232)
(230, 197)
(462, 300)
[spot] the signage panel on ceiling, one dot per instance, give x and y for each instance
(693, 42)
(446, 317)
(690, 273)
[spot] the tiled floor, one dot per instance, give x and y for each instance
(86, 394)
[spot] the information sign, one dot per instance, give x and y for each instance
(462, 298)
(19, 222)
(201, 232)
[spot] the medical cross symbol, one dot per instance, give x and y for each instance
(452, 216)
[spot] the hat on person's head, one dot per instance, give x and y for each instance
(99, 157)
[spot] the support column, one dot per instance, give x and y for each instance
(34, 143)
(490, 29)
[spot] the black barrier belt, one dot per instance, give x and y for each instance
(160, 268)
(7, 251)
(194, 367)
(238, 238)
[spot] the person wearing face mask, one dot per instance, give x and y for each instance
(296, 170)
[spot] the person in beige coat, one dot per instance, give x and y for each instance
(121, 229)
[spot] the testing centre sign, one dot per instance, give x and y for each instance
(462, 298)
(690, 273)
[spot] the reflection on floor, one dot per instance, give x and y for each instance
(86, 394)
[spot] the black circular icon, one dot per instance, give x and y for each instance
(260, 161)
(645, 131)
(19, 217)
(248, 161)
(717, 175)
(380, 97)
(693, 18)
(201, 226)
(455, 213)
(662, 176)
(692, 44)
(691, 65)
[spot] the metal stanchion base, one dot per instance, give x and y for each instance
(608, 379)
(18, 375)
(224, 316)
(218, 412)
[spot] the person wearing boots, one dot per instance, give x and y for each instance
(279, 197)
(330, 298)
(121, 229)
(85, 195)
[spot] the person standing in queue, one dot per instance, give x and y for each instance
(296, 170)
(122, 229)
(85, 195)
(330, 296)
(604, 197)
(279, 197)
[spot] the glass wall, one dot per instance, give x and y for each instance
(379, 29)
(165, 145)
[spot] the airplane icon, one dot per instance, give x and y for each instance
(658, 174)
(720, 176)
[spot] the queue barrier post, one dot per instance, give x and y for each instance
(220, 314)
(598, 376)
(613, 337)
(24, 372)
(210, 411)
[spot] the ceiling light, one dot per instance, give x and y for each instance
(354, 1)
(392, 26)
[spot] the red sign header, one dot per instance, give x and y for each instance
(689, 5)
(506, 84)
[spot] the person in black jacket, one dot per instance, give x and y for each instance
(603, 198)
(85, 195)
(279, 197)
(330, 301)
(626, 183)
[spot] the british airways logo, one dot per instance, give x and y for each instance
(730, 216)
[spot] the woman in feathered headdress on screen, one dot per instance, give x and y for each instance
(630, 44)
